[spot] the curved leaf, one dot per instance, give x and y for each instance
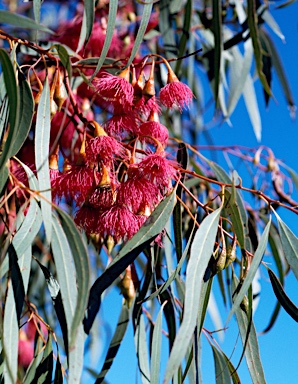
(141, 31)
(115, 343)
(23, 22)
(81, 261)
(64, 57)
(41, 145)
(289, 243)
(252, 353)
(252, 270)
(113, 7)
(218, 46)
(282, 297)
(142, 351)
(222, 372)
(131, 250)
(201, 251)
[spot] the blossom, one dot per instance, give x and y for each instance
(114, 93)
(145, 106)
(176, 95)
(118, 124)
(154, 129)
(157, 169)
(88, 218)
(75, 183)
(120, 223)
(103, 149)
(138, 194)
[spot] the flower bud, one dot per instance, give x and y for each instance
(59, 92)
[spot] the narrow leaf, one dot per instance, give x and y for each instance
(282, 297)
(218, 46)
(289, 243)
(252, 353)
(115, 343)
(142, 351)
(113, 7)
(81, 261)
(76, 356)
(89, 14)
(156, 348)
(41, 145)
(22, 22)
(131, 250)
(141, 31)
(252, 270)
(232, 208)
(221, 367)
(201, 251)
(64, 57)
(185, 34)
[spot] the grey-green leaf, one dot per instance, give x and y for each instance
(289, 243)
(23, 22)
(41, 145)
(156, 348)
(252, 270)
(201, 251)
(221, 367)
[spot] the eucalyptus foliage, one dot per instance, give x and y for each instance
(206, 223)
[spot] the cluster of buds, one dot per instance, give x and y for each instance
(122, 171)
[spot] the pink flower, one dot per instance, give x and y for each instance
(102, 197)
(87, 218)
(138, 194)
(75, 183)
(118, 124)
(120, 223)
(176, 95)
(146, 106)
(103, 149)
(154, 129)
(114, 93)
(158, 170)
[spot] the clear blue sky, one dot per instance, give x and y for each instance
(278, 348)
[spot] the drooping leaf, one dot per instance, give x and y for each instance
(76, 355)
(43, 373)
(58, 379)
(65, 272)
(13, 103)
(25, 115)
(115, 343)
(232, 208)
(222, 372)
(142, 350)
(36, 10)
(289, 243)
(22, 22)
(38, 355)
(113, 7)
(147, 233)
(185, 34)
(218, 45)
(81, 261)
(141, 31)
(16, 281)
(41, 145)
(252, 19)
(64, 57)
(252, 353)
(201, 251)
(166, 30)
(252, 270)
(89, 14)
(156, 348)
(282, 297)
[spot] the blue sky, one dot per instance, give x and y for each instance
(278, 348)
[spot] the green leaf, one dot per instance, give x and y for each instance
(113, 7)
(232, 208)
(81, 261)
(166, 30)
(252, 270)
(252, 19)
(289, 243)
(218, 45)
(115, 343)
(156, 348)
(41, 145)
(131, 250)
(25, 115)
(142, 351)
(89, 14)
(22, 22)
(141, 31)
(185, 34)
(36, 10)
(278, 66)
(30, 373)
(13, 102)
(201, 251)
(76, 356)
(65, 272)
(64, 57)
(43, 373)
(282, 297)
(222, 373)
(252, 353)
